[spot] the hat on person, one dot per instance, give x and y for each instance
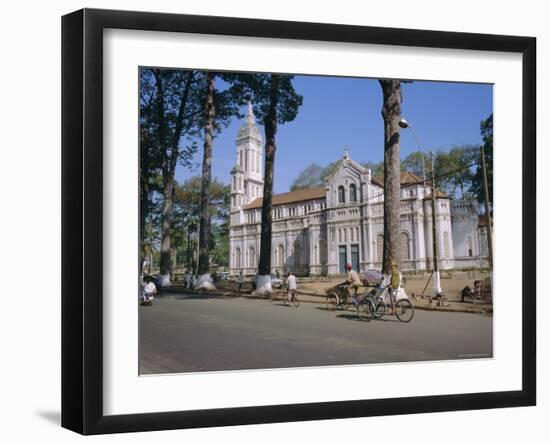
(348, 266)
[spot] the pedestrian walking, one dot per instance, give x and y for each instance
(186, 279)
(291, 286)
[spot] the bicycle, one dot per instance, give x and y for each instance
(403, 309)
(338, 298)
(292, 298)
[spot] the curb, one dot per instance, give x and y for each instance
(309, 294)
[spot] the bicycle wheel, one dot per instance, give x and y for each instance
(365, 310)
(379, 305)
(332, 301)
(295, 301)
(404, 310)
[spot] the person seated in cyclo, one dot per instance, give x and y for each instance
(478, 288)
(149, 290)
(353, 281)
(395, 280)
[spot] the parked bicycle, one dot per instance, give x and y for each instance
(338, 297)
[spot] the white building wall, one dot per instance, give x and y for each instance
(301, 238)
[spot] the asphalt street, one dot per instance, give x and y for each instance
(190, 333)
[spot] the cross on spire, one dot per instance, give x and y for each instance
(346, 152)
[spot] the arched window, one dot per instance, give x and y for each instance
(379, 247)
(404, 244)
(352, 193)
(446, 246)
(280, 255)
(341, 194)
(297, 254)
(251, 257)
(238, 257)
(323, 252)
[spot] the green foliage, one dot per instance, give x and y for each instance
(454, 170)
(310, 177)
(185, 215)
(413, 163)
(376, 168)
(486, 130)
(257, 88)
(330, 169)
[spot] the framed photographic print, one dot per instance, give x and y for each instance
(269, 221)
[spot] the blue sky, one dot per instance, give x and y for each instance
(339, 112)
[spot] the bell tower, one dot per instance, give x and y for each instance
(248, 182)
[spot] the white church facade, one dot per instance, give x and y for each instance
(316, 231)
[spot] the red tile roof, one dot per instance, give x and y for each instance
(291, 197)
(438, 194)
(407, 178)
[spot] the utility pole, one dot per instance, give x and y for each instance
(436, 280)
(487, 210)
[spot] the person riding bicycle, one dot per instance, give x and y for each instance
(148, 291)
(353, 281)
(291, 286)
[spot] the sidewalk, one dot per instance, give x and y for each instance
(309, 294)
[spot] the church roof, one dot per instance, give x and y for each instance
(237, 168)
(438, 194)
(407, 178)
(291, 197)
(250, 129)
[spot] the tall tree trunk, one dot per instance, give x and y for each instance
(270, 124)
(204, 227)
(143, 214)
(169, 169)
(391, 113)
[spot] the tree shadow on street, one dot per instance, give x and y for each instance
(202, 296)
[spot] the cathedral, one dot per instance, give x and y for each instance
(316, 231)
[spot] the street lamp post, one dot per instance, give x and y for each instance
(406, 125)
(435, 275)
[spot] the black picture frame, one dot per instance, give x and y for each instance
(82, 216)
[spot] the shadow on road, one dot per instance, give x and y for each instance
(202, 296)
(281, 304)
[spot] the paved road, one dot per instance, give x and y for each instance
(189, 333)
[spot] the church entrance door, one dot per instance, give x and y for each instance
(355, 257)
(342, 256)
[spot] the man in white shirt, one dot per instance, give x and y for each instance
(291, 286)
(149, 291)
(353, 281)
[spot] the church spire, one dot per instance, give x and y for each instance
(250, 118)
